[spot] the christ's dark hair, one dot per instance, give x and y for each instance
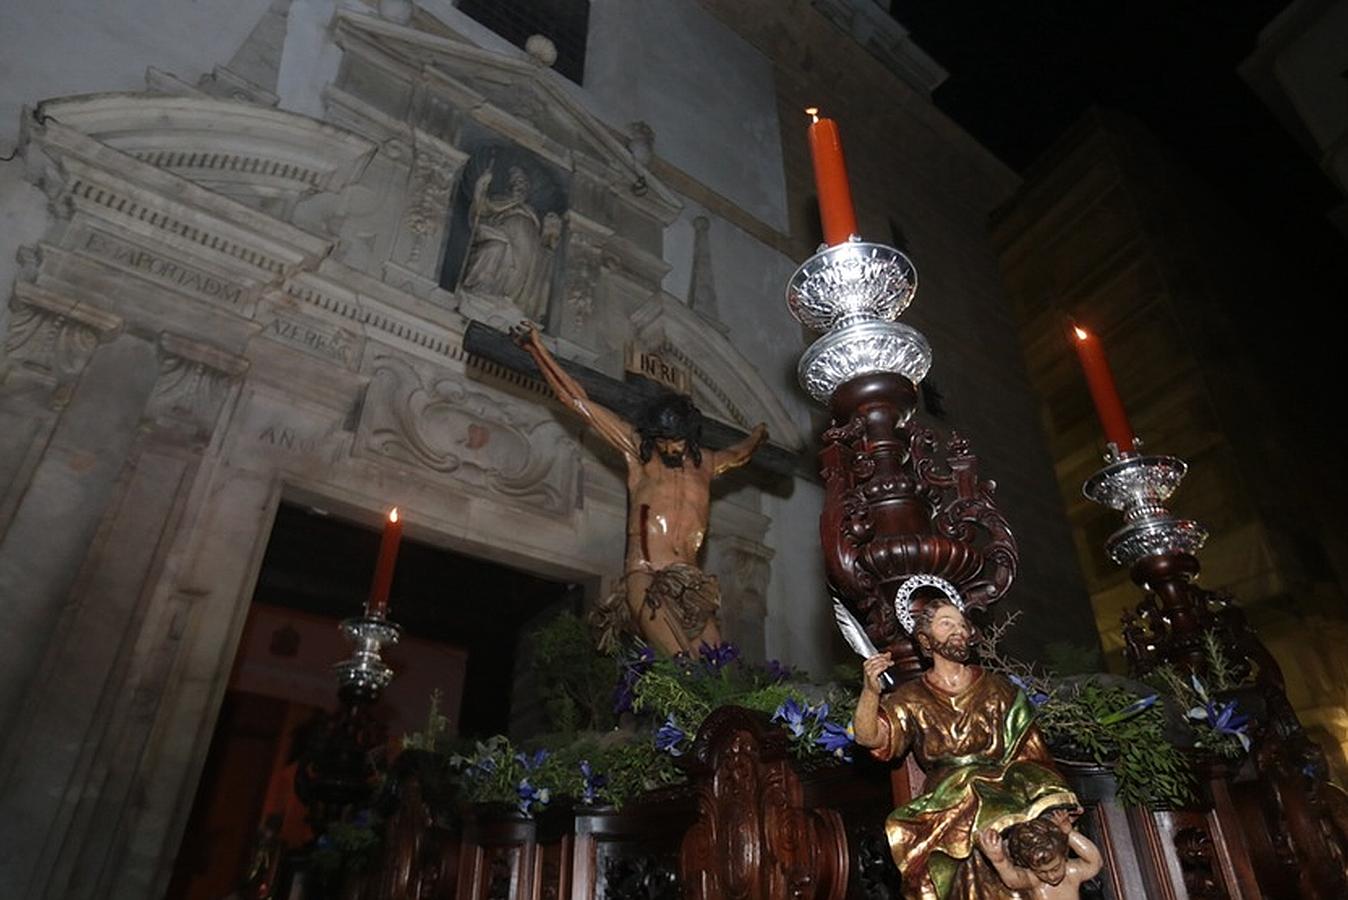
(671, 417)
(1036, 843)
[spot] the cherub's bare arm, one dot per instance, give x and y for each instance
(1091, 860)
(609, 425)
(736, 455)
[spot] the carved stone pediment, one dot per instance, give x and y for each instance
(513, 96)
(726, 386)
(224, 145)
(445, 427)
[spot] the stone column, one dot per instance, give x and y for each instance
(74, 753)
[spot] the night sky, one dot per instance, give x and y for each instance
(1022, 72)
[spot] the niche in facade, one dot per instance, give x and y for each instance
(505, 228)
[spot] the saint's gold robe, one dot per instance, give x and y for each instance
(986, 765)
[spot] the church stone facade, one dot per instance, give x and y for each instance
(250, 283)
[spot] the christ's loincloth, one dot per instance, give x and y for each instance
(685, 595)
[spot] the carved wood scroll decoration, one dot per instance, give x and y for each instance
(898, 503)
(754, 839)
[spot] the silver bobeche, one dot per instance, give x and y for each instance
(859, 348)
(851, 282)
(365, 675)
(1139, 487)
(855, 291)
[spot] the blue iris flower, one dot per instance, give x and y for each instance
(1225, 720)
(1137, 706)
(1036, 698)
(531, 797)
(531, 762)
(792, 715)
(717, 657)
(838, 740)
(592, 782)
(777, 672)
(669, 737)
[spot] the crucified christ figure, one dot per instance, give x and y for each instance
(667, 599)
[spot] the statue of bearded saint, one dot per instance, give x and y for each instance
(664, 596)
(973, 734)
(509, 247)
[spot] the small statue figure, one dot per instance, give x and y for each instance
(973, 733)
(666, 597)
(1038, 860)
(509, 244)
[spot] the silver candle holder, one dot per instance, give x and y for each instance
(363, 677)
(854, 292)
(1138, 486)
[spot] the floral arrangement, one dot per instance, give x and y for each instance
(1219, 727)
(621, 723)
(1123, 725)
(637, 726)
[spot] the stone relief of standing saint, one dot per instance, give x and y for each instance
(510, 247)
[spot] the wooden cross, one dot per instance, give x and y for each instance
(626, 398)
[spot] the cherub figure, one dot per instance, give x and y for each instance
(1033, 857)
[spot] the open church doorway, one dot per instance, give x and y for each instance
(464, 622)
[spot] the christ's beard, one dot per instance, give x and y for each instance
(955, 649)
(672, 460)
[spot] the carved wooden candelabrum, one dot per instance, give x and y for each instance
(1300, 814)
(898, 501)
(1158, 550)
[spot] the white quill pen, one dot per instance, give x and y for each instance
(857, 639)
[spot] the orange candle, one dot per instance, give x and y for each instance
(830, 179)
(377, 605)
(1104, 392)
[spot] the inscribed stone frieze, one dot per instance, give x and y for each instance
(288, 433)
(317, 339)
(157, 266)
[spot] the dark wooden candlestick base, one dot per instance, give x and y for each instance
(897, 504)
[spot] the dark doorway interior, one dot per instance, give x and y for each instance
(462, 619)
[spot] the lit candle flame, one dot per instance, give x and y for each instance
(393, 515)
(1081, 333)
(813, 113)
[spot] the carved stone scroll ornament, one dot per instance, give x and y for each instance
(754, 838)
(194, 379)
(52, 338)
(584, 266)
(432, 182)
(441, 425)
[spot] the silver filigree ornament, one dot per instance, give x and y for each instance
(855, 291)
(851, 282)
(363, 677)
(860, 348)
(1139, 486)
(903, 598)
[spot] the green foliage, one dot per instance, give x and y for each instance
(1220, 671)
(587, 760)
(574, 681)
(1192, 696)
(347, 848)
(1088, 721)
(663, 692)
(1092, 722)
(436, 732)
